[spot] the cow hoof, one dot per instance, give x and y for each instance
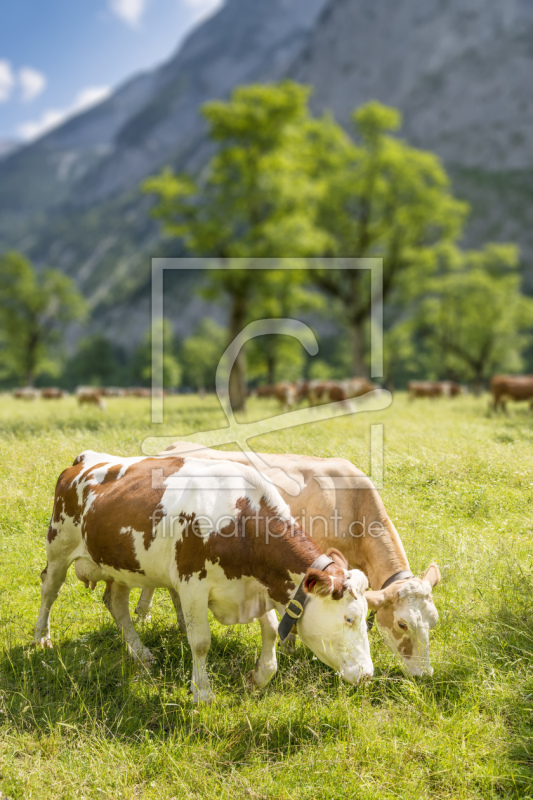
(204, 697)
(45, 641)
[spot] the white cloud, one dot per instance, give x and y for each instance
(32, 83)
(54, 117)
(203, 8)
(129, 11)
(7, 80)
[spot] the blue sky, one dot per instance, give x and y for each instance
(57, 56)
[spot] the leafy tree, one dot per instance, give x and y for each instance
(201, 352)
(143, 357)
(35, 308)
(474, 320)
(96, 362)
(382, 199)
(257, 199)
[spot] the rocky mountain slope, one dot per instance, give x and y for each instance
(460, 71)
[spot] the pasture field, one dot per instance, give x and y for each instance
(82, 721)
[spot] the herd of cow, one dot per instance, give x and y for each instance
(221, 537)
(502, 387)
(85, 395)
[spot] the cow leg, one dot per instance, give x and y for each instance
(116, 598)
(199, 636)
(53, 578)
(145, 604)
(267, 663)
(174, 596)
(288, 645)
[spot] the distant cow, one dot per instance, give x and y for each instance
(433, 389)
(285, 394)
(90, 396)
(52, 393)
(138, 391)
(219, 535)
(511, 387)
(26, 393)
(112, 391)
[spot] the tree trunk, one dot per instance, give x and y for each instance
(357, 332)
(237, 380)
(271, 368)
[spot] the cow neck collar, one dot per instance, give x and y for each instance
(402, 575)
(295, 607)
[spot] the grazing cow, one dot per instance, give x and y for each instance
(52, 393)
(88, 395)
(424, 389)
(26, 393)
(339, 505)
(221, 537)
(511, 387)
(285, 394)
(112, 391)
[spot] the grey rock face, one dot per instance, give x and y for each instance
(460, 70)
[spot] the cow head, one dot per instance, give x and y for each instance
(405, 615)
(333, 624)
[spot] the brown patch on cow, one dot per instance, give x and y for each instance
(385, 617)
(131, 503)
(258, 543)
(405, 648)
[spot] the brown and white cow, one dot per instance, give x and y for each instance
(511, 387)
(338, 504)
(217, 534)
(90, 396)
(27, 393)
(52, 393)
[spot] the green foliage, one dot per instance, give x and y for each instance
(386, 200)
(96, 362)
(201, 352)
(165, 361)
(35, 307)
(474, 321)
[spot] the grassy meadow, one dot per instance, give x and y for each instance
(82, 721)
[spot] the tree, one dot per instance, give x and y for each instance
(201, 352)
(383, 199)
(143, 359)
(474, 320)
(35, 308)
(257, 200)
(96, 362)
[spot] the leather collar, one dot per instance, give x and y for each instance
(295, 607)
(398, 576)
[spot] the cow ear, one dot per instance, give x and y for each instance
(375, 599)
(432, 575)
(337, 557)
(317, 582)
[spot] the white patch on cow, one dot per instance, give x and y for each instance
(336, 632)
(415, 609)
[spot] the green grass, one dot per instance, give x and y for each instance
(82, 721)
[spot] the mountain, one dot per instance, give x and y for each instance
(7, 146)
(459, 70)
